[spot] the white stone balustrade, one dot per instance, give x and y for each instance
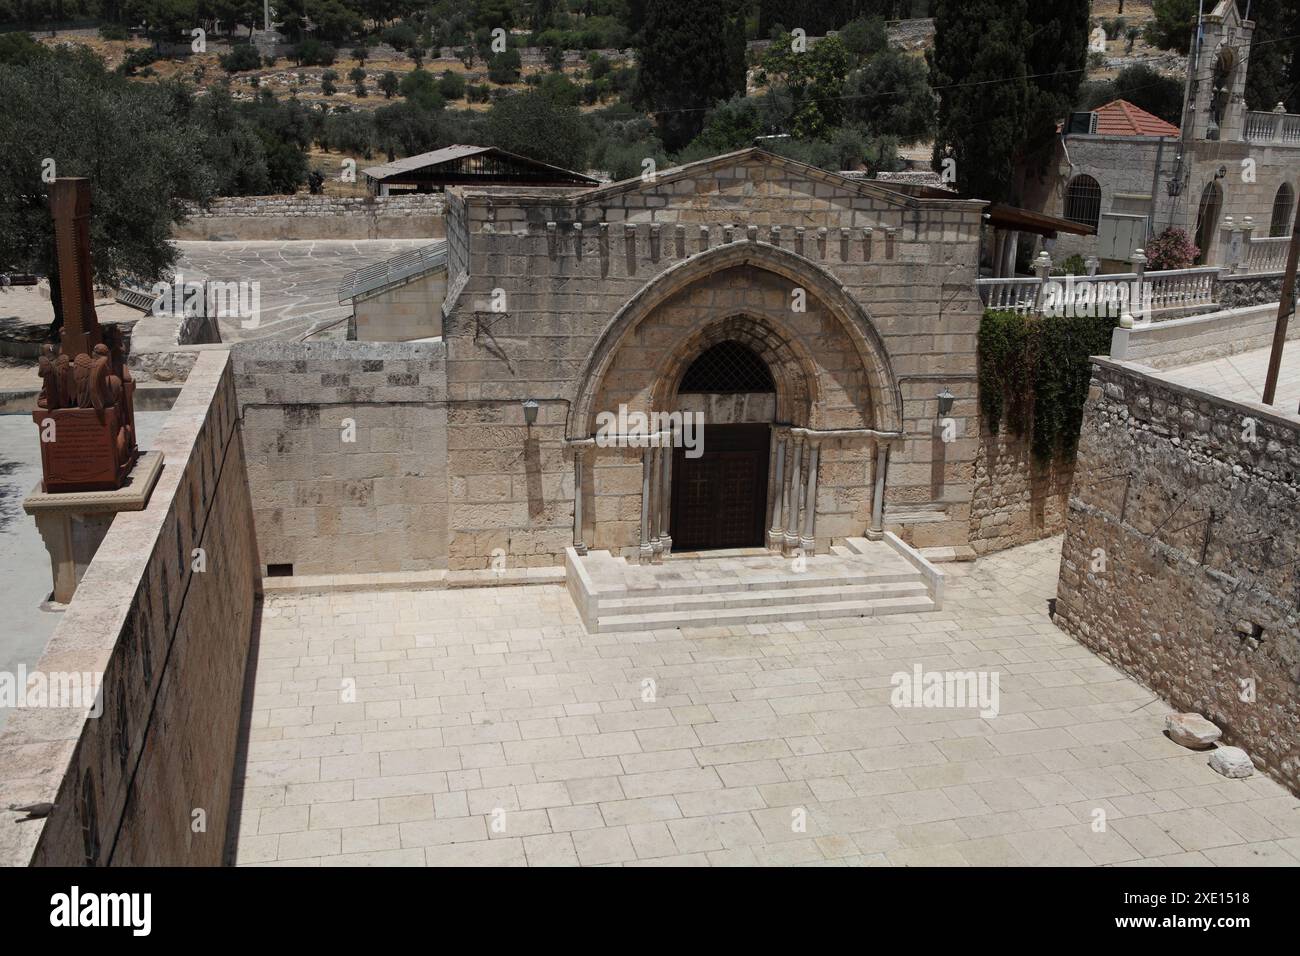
(1273, 126)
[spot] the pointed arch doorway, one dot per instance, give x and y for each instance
(719, 499)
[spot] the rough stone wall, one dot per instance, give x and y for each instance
(347, 448)
(1191, 614)
(912, 275)
(317, 217)
(1243, 290)
(172, 643)
(1015, 500)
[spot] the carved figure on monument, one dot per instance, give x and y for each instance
(86, 407)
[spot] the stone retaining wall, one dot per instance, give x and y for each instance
(1181, 562)
(347, 454)
(1015, 500)
(317, 217)
(148, 782)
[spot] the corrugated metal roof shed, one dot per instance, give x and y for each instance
(464, 165)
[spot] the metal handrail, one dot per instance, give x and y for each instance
(403, 266)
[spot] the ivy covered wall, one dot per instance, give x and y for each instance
(1033, 381)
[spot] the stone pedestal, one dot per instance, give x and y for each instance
(72, 524)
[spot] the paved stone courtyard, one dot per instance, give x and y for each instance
(488, 728)
(298, 281)
(1241, 376)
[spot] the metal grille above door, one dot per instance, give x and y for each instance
(728, 368)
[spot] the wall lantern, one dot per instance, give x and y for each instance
(945, 402)
(530, 412)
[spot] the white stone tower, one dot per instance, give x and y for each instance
(1215, 108)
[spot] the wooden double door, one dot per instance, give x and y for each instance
(719, 500)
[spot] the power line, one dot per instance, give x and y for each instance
(947, 86)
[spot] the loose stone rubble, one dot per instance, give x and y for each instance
(1192, 731)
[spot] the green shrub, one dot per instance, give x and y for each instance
(241, 58)
(1071, 266)
(504, 67)
(311, 52)
(137, 59)
(451, 85)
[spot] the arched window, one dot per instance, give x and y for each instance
(1283, 206)
(728, 368)
(1207, 220)
(1083, 201)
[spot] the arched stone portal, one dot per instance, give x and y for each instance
(835, 397)
(829, 312)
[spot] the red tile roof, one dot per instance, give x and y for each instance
(1122, 118)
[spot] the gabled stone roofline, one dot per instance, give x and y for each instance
(568, 196)
(1225, 12)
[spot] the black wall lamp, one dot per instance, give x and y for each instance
(946, 399)
(530, 412)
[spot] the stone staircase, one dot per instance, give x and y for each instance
(718, 588)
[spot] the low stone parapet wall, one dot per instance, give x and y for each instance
(165, 612)
(1201, 338)
(316, 217)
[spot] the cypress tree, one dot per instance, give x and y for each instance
(691, 55)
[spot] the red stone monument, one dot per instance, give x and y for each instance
(85, 412)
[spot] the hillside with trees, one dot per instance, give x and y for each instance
(594, 85)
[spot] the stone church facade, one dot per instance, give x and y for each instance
(1228, 176)
(857, 301)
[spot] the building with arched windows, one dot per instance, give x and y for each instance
(1227, 175)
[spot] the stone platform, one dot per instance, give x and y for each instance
(753, 586)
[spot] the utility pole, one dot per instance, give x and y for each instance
(1284, 310)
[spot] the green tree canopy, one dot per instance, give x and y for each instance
(891, 95)
(691, 55)
(1274, 69)
(421, 89)
(813, 78)
(1173, 24)
(531, 125)
(405, 130)
(135, 142)
(1143, 87)
(978, 69)
(1056, 56)
(1005, 71)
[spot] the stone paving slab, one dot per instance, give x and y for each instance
(1241, 377)
(486, 727)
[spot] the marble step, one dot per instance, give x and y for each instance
(786, 597)
(778, 580)
(664, 620)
